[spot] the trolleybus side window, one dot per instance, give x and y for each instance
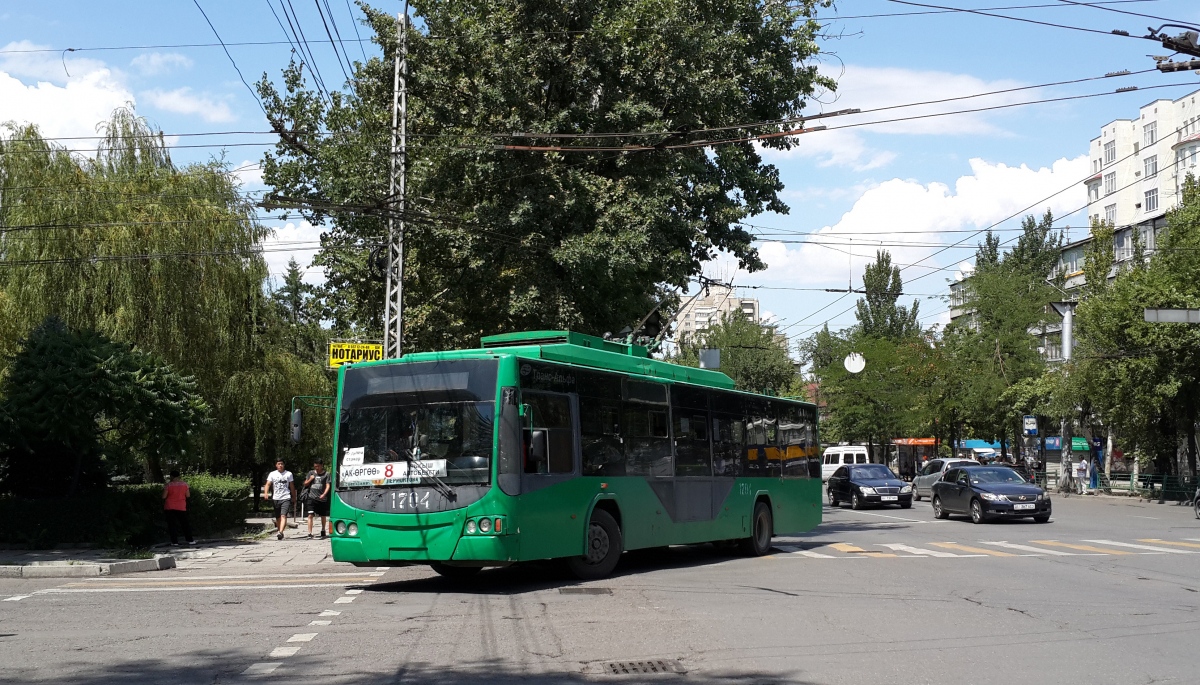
(646, 433)
(689, 407)
(796, 441)
(550, 416)
(762, 453)
(728, 435)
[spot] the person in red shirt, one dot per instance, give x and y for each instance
(175, 494)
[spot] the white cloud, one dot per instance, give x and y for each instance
(299, 241)
(183, 101)
(868, 88)
(249, 174)
(154, 63)
(906, 211)
(49, 66)
(73, 109)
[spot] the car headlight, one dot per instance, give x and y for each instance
(906, 489)
(865, 490)
(993, 498)
(1039, 498)
(471, 527)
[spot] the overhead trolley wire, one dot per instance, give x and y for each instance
(1020, 19)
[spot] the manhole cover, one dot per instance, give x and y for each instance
(638, 667)
(584, 591)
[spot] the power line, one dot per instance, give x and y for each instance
(354, 23)
(332, 43)
(231, 60)
(1098, 6)
(1020, 19)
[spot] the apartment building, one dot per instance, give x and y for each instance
(701, 313)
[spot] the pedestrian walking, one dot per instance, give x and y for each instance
(1065, 481)
(175, 495)
(317, 485)
(1081, 475)
(280, 488)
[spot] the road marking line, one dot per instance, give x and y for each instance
(382, 568)
(319, 623)
(977, 550)
(260, 576)
(1152, 518)
(898, 518)
(330, 612)
(16, 598)
(1168, 550)
(376, 574)
(192, 583)
(261, 669)
(851, 549)
(919, 550)
(1168, 542)
(354, 592)
(75, 590)
(302, 637)
(282, 652)
(1085, 548)
(1027, 548)
(343, 600)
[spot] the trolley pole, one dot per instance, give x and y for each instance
(393, 309)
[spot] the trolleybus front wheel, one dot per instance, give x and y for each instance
(455, 572)
(759, 542)
(604, 546)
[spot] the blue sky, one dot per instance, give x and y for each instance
(926, 182)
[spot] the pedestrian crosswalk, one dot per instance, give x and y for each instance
(811, 549)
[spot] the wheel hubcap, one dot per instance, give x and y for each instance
(597, 544)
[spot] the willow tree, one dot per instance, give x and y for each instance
(145, 252)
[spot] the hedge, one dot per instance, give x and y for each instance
(123, 516)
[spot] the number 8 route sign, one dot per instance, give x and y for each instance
(351, 352)
(1030, 425)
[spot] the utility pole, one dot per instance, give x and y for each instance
(393, 308)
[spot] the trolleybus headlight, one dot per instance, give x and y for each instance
(352, 529)
(340, 527)
(471, 527)
(485, 525)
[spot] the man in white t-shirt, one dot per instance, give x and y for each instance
(1081, 475)
(280, 488)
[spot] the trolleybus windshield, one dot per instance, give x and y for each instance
(416, 423)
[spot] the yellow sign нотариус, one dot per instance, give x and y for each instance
(348, 352)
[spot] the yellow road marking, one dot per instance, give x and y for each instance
(851, 549)
(974, 550)
(1085, 548)
(190, 583)
(1167, 542)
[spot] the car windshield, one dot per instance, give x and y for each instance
(872, 472)
(961, 463)
(995, 475)
(409, 424)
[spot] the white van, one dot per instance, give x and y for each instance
(839, 455)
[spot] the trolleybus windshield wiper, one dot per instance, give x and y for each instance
(441, 487)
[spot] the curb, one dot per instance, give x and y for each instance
(84, 569)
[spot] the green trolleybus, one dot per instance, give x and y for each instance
(552, 444)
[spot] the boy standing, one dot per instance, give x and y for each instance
(319, 484)
(280, 488)
(175, 495)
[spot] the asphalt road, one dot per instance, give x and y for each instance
(1107, 592)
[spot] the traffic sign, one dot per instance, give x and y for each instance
(1031, 425)
(351, 352)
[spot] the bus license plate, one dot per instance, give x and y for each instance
(1022, 507)
(889, 498)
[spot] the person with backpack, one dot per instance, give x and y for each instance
(317, 486)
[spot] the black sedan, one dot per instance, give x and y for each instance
(866, 484)
(989, 492)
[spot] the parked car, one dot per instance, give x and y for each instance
(932, 473)
(839, 455)
(867, 484)
(987, 492)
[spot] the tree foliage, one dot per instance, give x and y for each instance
(501, 239)
(76, 403)
(752, 354)
(878, 314)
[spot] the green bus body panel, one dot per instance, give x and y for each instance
(550, 522)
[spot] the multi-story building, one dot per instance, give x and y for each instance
(699, 314)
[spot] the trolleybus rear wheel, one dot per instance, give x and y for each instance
(604, 546)
(761, 526)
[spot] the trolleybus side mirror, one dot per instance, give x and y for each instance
(537, 446)
(295, 426)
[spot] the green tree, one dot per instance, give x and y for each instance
(878, 314)
(503, 239)
(752, 354)
(78, 406)
(298, 327)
